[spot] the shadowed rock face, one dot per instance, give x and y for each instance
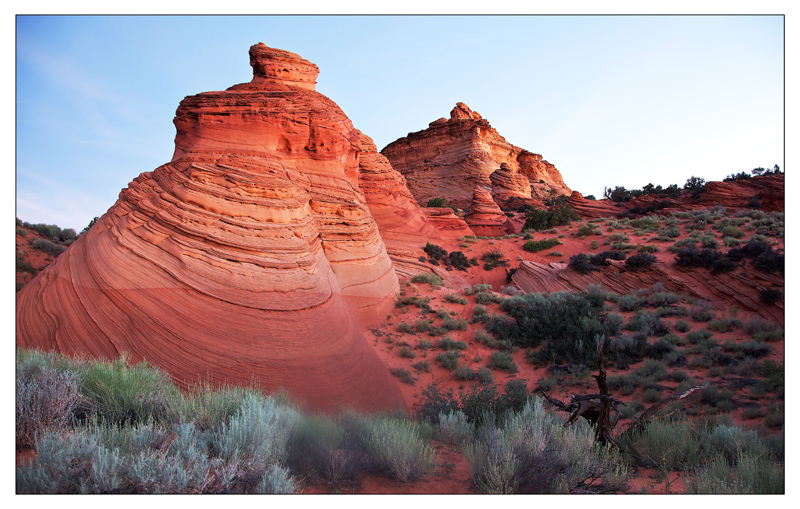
(485, 217)
(252, 253)
(454, 155)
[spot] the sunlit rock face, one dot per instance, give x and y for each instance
(454, 155)
(252, 254)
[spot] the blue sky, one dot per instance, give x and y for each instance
(608, 100)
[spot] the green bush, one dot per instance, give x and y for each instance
(455, 298)
(534, 246)
(549, 320)
(532, 452)
(118, 393)
(446, 343)
(46, 246)
(538, 219)
(423, 366)
(454, 428)
(397, 448)
(503, 361)
(437, 202)
(431, 279)
(449, 360)
(404, 375)
(463, 372)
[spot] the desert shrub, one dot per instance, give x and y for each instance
(479, 310)
(478, 289)
(503, 361)
(750, 475)
(258, 431)
(45, 400)
(699, 336)
(494, 259)
(631, 302)
(405, 328)
(625, 349)
(640, 261)
(650, 248)
(580, 263)
(600, 258)
(446, 343)
(454, 428)
(464, 372)
(404, 375)
(485, 376)
(431, 279)
(693, 257)
(421, 325)
(769, 295)
(534, 246)
(47, 246)
(538, 219)
(769, 262)
(531, 452)
(488, 298)
(661, 348)
(117, 393)
(448, 360)
(701, 311)
(437, 202)
(534, 319)
(724, 325)
(406, 352)
(662, 298)
(397, 448)
(682, 326)
(651, 395)
(615, 322)
(455, 298)
(732, 231)
(652, 369)
(451, 324)
(647, 323)
(423, 366)
(758, 324)
(672, 445)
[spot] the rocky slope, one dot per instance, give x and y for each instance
(252, 254)
(454, 155)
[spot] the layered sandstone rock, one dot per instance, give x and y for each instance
(452, 156)
(403, 225)
(251, 254)
(508, 185)
(592, 209)
(447, 223)
(485, 216)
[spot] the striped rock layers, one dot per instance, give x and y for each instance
(252, 253)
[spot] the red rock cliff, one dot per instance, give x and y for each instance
(251, 254)
(452, 156)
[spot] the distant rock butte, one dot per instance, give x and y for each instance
(253, 253)
(485, 218)
(454, 155)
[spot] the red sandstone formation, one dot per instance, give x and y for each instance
(485, 217)
(447, 223)
(593, 209)
(452, 156)
(251, 254)
(740, 287)
(402, 224)
(508, 185)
